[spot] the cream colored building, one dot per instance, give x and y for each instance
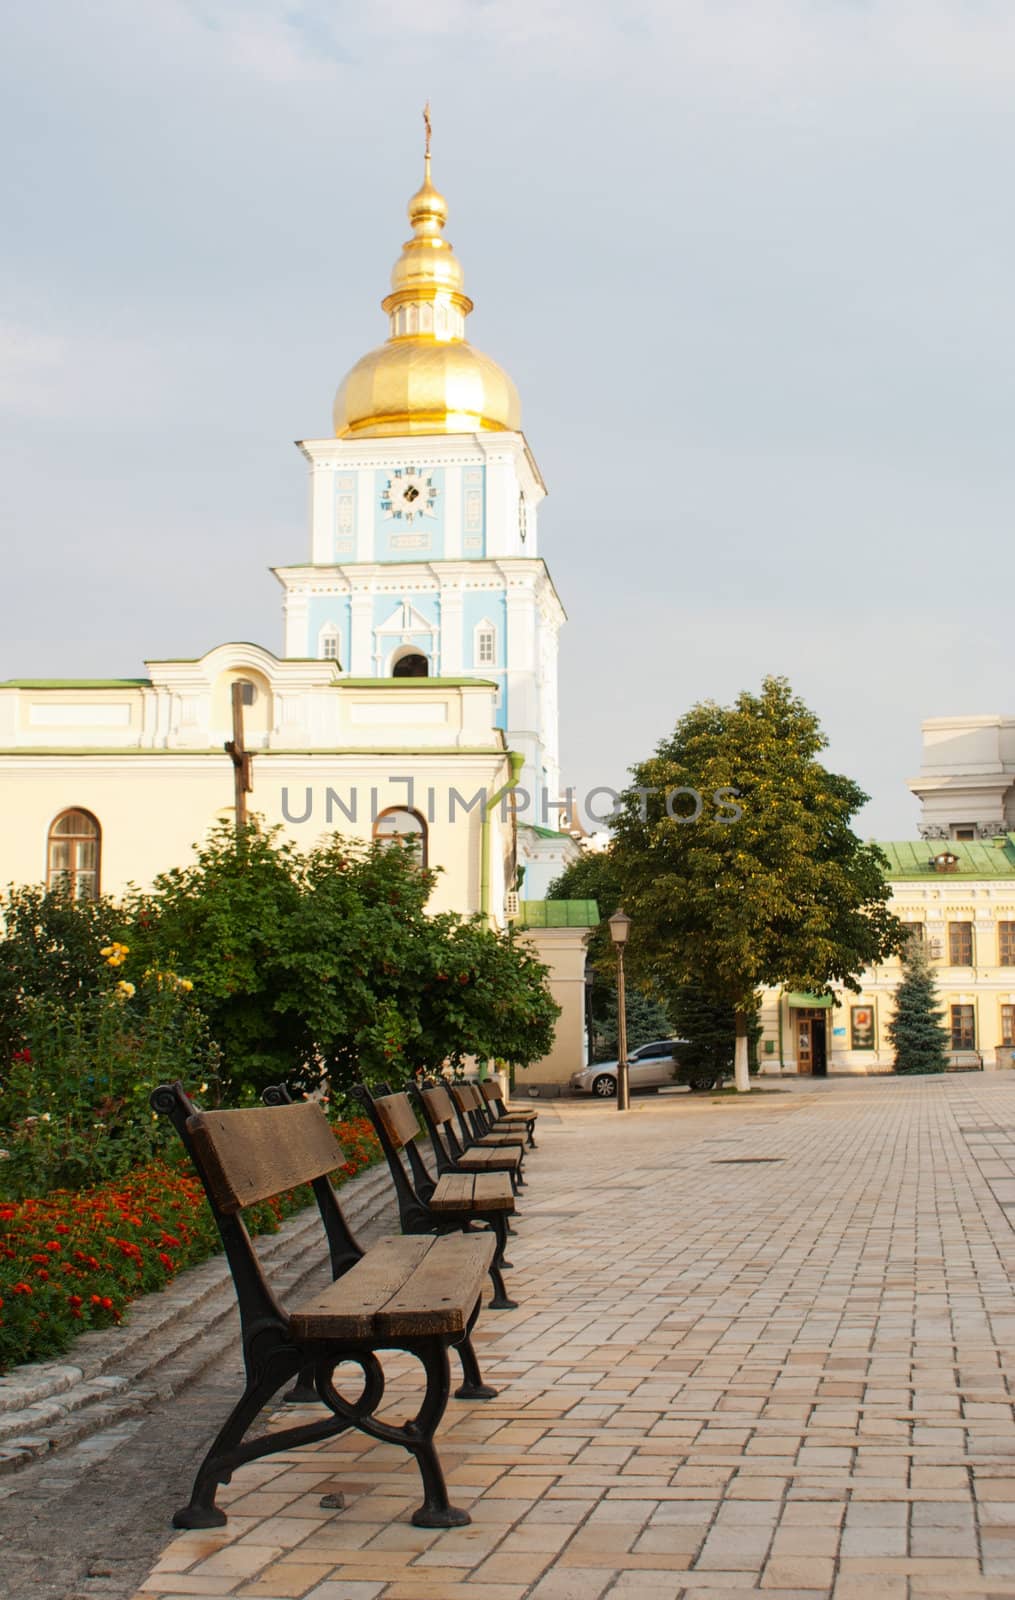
(113, 782)
(558, 932)
(958, 896)
(417, 694)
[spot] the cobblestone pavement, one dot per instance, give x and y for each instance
(726, 1375)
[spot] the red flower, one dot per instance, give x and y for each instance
(22, 1288)
(74, 1300)
(54, 1245)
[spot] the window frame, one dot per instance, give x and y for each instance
(962, 941)
(75, 872)
(1005, 937)
(423, 833)
(959, 1038)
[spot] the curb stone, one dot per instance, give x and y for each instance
(170, 1337)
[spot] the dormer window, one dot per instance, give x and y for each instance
(945, 861)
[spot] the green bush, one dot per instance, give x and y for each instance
(74, 1102)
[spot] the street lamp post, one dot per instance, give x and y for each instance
(620, 924)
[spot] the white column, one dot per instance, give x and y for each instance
(452, 513)
(452, 642)
(294, 614)
(322, 514)
(501, 508)
(365, 510)
(361, 635)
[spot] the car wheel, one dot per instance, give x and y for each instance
(701, 1082)
(604, 1086)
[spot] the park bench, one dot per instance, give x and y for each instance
(447, 1203)
(414, 1294)
(449, 1153)
(507, 1116)
(475, 1124)
(965, 1061)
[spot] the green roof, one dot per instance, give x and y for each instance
(414, 683)
(976, 858)
(75, 683)
(558, 913)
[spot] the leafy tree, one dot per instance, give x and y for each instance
(768, 885)
(51, 949)
(647, 1019)
(917, 1029)
(225, 920)
(709, 1026)
(327, 964)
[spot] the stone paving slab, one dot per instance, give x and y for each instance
(786, 1378)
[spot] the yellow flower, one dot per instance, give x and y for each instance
(115, 953)
(186, 985)
(126, 989)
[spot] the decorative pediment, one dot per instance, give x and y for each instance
(406, 619)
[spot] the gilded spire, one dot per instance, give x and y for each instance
(426, 379)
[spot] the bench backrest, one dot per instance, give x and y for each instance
(438, 1103)
(398, 1118)
(490, 1089)
(466, 1096)
(251, 1155)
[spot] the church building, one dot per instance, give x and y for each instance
(416, 691)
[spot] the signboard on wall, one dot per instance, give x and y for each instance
(861, 1025)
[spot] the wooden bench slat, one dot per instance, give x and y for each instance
(253, 1154)
(454, 1190)
(405, 1285)
(398, 1117)
(440, 1295)
(486, 1160)
(347, 1308)
(473, 1191)
(440, 1105)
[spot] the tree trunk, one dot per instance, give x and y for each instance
(741, 1058)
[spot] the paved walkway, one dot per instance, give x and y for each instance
(727, 1374)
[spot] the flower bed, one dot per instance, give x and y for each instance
(70, 1261)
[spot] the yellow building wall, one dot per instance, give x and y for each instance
(563, 952)
(986, 984)
(153, 810)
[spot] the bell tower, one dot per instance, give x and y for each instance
(424, 522)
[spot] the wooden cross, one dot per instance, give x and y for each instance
(240, 757)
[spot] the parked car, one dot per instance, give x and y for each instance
(651, 1066)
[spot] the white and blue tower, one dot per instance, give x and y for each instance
(424, 550)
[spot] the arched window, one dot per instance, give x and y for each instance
(410, 664)
(486, 646)
(406, 828)
(327, 642)
(72, 854)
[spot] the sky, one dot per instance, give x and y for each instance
(750, 263)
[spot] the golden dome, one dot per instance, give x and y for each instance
(426, 378)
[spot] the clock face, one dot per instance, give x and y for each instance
(409, 493)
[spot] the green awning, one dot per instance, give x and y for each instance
(809, 1002)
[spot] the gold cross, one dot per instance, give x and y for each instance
(427, 126)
